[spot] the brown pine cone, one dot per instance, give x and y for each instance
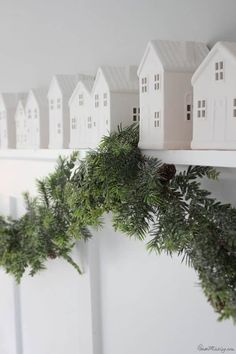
(52, 254)
(167, 172)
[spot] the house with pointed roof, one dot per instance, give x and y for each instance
(22, 133)
(115, 99)
(36, 111)
(59, 93)
(60, 90)
(165, 73)
(214, 88)
(8, 103)
(80, 107)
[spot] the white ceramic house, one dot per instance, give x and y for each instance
(214, 87)
(36, 110)
(115, 100)
(165, 74)
(80, 106)
(8, 103)
(21, 124)
(60, 91)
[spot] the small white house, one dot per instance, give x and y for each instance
(115, 100)
(36, 110)
(81, 112)
(214, 87)
(21, 124)
(165, 74)
(60, 91)
(8, 103)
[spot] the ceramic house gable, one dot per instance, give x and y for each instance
(214, 121)
(60, 90)
(80, 105)
(22, 133)
(115, 96)
(36, 109)
(166, 94)
(8, 103)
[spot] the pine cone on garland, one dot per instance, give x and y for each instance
(167, 172)
(52, 254)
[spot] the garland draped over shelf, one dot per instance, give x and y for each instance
(145, 196)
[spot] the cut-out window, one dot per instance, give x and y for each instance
(89, 122)
(105, 99)
(73, 123)
(96, 100)
(58, 103)
(219, 70)
(81, 100)
(51, 104)
(157, 117)
(106, 121)
(35, 114)
(29, 114)
(188, 111)
(201, 109)
(157, 82)
(234, 107)
(144, 84)
(188, 106)
(136, 114)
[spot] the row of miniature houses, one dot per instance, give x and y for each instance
(182, 94)
(75, 112)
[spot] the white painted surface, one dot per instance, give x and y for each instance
(21, 125)
(45, 37)
(127, 300)
(37, 126)
(165, 92)
(153, 304)
(216, 87)
(83, 133)
(8, 311)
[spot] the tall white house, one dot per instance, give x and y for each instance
(8, 103)
(36, 110)
(59, 93)
(165, 73)
(21, 124)
(81, 113)
(115, 99)
(214, 87)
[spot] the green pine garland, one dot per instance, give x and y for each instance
(145, 197)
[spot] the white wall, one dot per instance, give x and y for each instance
(40, 38)
(128, 301)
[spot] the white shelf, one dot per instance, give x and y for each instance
(216, 158)
(37, 155)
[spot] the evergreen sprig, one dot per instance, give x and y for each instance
(145, 197)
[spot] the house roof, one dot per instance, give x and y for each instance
(227, 48)
(87, 83)
(67, 83)
(177, 56)
(10, 100)
(40, 95)
(120, 79)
